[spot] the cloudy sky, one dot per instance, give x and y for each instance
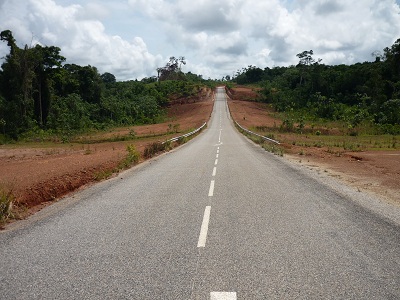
(131, 38)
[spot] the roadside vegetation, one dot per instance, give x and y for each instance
(292, 130)
(11, 208)
(44, 98)
(363, 98)
(6, 204)
(46, 102)
(340, 108)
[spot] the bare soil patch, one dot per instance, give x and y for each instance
(243, 93)
(372, 171)
(40, 173)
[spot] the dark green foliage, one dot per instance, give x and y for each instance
(390, 112)
(172, 70)
(251, 74)
(108, 78)
(40, 93)
(70, 113)
(366, 92)
(25, 85)
(359, 93)
(392, 56)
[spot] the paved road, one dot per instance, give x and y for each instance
(218, 218)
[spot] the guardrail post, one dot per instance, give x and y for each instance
(185, 135)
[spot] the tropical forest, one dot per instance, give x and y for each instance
(39, 91)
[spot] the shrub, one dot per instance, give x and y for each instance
(168, 145)
(182, 140)
(153, 148)
(6, 203)
(101, 175)
(287, 125)
(132, 157)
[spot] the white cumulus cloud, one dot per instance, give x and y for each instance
(80, 35)
(132, 38)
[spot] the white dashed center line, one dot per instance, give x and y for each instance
(206, 220)
(204, 227)
(223, 296)
(211, 190)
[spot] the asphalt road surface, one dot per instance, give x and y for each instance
(218, 218)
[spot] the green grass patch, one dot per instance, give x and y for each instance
(131, 158)
(268, 146)
(334, 135)
(103, 174)
(275, 149)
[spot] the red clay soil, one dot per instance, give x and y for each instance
(372, 171)
(243, 93)
(38, 173)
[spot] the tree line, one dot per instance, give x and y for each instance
(40, 91)
(361, 93)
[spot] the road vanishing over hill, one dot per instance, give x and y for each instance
(218, 218)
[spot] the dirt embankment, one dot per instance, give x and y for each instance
(373, 171)
(39, 173)
(243, 93)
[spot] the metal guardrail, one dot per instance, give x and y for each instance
(259, 135)
(185, 135)
(246, 130)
